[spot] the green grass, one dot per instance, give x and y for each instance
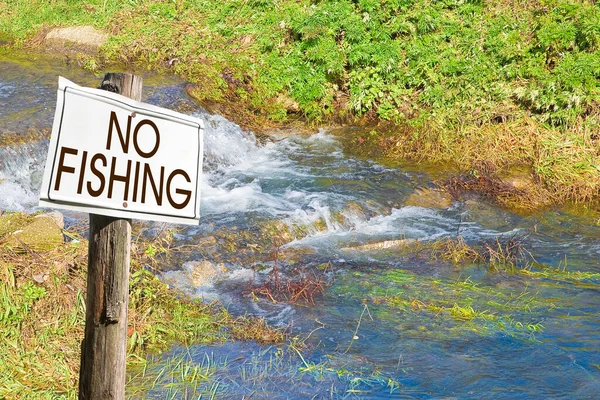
(460, 62)
(175, 377)
(556, 275)
(42, 316)
(513, 83)
(270, 370)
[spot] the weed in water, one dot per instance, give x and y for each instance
(299, 286)
(500, 255)
(451, 307)
(256, 329)
(508, 255)
(175, 377)
(455, 250)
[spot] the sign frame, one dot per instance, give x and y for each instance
(69, 92)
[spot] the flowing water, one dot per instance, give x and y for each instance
(394, 321)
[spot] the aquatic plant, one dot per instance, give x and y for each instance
(256, 329)
(451, 307)
(506, 255)
(455, 250)
(177, 376)
(561, 274)
(500, 255)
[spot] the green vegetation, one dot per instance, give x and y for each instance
(507, 256)
(42, 314)
(461, 82)
(500, 255)
(180, 376)
(561, 274)
(442, 308)
(515, 297)
(273, 369)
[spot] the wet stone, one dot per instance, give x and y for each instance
(201, 273)
(486, 215)
(429, 198)
(386, 244)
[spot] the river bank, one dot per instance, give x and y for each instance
(482, 89)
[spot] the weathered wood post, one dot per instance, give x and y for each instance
(103, 352)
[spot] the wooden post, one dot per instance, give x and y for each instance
(103, 351)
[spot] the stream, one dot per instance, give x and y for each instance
(394, 321)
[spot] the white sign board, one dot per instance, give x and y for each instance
(114, 156)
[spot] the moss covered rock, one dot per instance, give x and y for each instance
(201, 273)
(41, 234)
(11, 222)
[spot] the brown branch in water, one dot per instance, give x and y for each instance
(301, 286)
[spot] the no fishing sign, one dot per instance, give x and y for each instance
(114, 156)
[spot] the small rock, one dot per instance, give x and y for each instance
(519, 178)
(56, 216)
(81, 35)
(41, 277)
(207, 241)
(290, 104)
(522, 182)
(486, 215)
(246, 40)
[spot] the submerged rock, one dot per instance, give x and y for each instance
(486, 215)
(429, 198)
(294, 255)
(519, 178)
(386, 244)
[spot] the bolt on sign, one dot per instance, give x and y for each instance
(114, 156)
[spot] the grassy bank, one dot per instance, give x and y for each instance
(502, 83)
(42, 314)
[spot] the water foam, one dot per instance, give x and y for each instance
(21, 175)
(305, 181)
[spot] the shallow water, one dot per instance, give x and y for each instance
(371, 335)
